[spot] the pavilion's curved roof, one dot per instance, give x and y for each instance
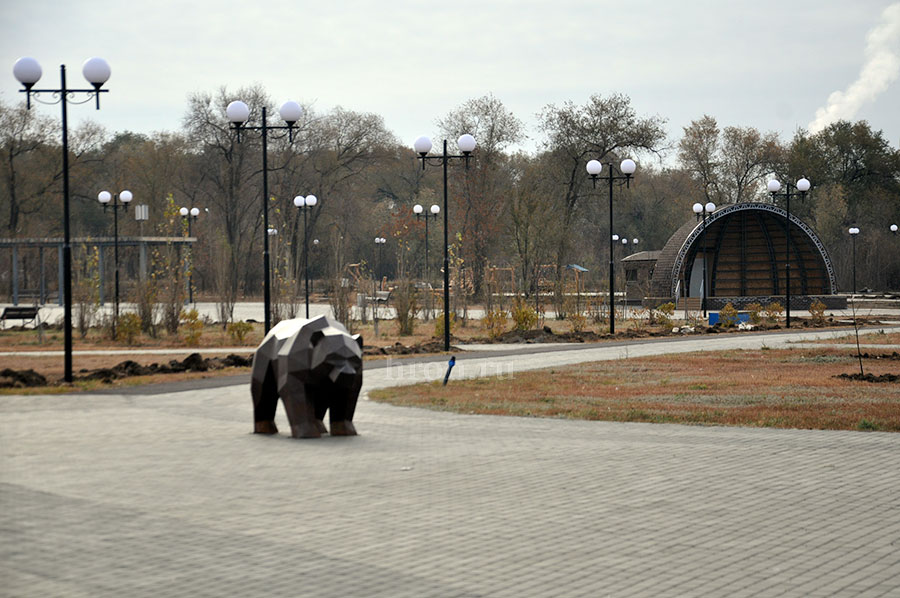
(747, 247)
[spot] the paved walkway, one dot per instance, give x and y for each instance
(169, 495)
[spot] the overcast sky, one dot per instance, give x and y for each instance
(769, 64)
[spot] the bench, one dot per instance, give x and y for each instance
(29, 313)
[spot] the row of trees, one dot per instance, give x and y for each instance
(533, 212)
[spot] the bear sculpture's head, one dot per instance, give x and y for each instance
(321, 352)
(336, 356)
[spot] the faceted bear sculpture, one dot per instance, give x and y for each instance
(314, 366)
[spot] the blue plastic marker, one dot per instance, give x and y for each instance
(450, 365)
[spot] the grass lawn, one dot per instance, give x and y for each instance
(790, 388)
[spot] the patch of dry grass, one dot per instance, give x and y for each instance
(770, 388)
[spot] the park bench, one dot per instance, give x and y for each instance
(24, 313)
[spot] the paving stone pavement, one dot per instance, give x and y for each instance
(170, 495)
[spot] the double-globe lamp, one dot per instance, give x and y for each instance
(774, 186)
(627, 168)
(28, 72)
(304, 204)
(238, 113)
(466, 145)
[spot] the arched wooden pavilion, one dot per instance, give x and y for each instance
(745, 249)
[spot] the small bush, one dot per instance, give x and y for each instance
(773, 311)
(129, 327)
(439, 324)
(817, 312)
(494, 322)
(192, 327)
(663, 314)
(639, 319)
(238, 331)
(755, 310)
(578, 321)
(728, 316)
(524, 316)
(406, 304)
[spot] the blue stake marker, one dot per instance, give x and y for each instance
(450, 365)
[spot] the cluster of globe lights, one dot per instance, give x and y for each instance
(635, 241)
(418, 209)
(853, 230)
(104, 197)
(774, 186)
(308, 201)
(193, 212)
(238, 112)
(709, 208)
(465, 143)
(595, 167)
(380, 240)
(28, 71)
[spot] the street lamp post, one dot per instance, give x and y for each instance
(419, 211)
(190, 216)
(304, 204)
(704, 211)
(238, 112)
(802, 187)
(119, 201)
(627, 168)
(28, 72)
(853, 232)
(466, 145)
(379, 246)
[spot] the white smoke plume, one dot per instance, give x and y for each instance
(880, 69)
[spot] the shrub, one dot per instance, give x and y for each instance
(663, 314)
(578, 321)
(238, 331)
(755, 310)
(129, 327)
(524, 316)
(406, 304)
(494, 322)
(817, 312)
(728, 316)
(192, 327)
(639, 319)
(772, 312)
(439, 324)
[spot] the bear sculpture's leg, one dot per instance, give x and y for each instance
(265, 401)
(301, 413)
(343, 404)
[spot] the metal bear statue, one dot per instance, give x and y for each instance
(314, 366)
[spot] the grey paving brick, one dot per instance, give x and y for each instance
(170, 495)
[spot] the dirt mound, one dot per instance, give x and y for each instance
(870, 377)
(21, 379)
(192, 363)
(398, 348)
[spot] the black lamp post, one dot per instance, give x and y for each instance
(853, 232)
(238, 112)
(119, 201)
(419, 211)
(304, 204)
(28, 72)
(802, 187)
(466, 144)
(627, 168)
(704, 211)
(190, 216)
